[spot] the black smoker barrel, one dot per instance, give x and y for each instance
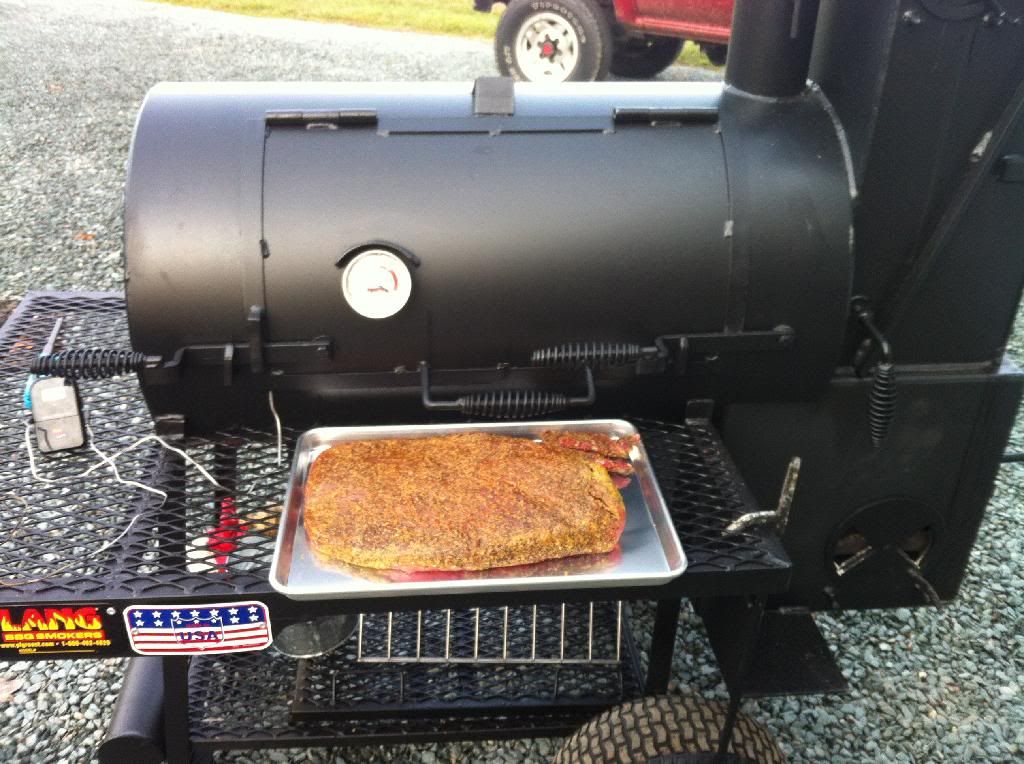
(316, 238)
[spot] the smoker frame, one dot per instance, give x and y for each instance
(747, 567)
(750, 612)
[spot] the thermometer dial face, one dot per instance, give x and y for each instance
(376, 283)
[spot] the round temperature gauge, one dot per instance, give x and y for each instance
(376, 283)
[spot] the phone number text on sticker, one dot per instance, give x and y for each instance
(228, 627)
(56, 630)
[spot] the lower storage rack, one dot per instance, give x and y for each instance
(546, 668)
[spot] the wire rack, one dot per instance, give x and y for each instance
(589, 633)
(478, 659)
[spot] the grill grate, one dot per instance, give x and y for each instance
(214, 543)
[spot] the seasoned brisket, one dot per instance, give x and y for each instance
(458, 502)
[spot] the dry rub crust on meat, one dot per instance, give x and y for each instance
(469, 501)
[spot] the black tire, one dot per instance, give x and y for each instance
(653, 727)
(643, 57)
(586, 19)
(716, 52)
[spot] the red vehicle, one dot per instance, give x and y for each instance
(580, 40)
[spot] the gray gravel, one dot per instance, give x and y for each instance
(927, 685)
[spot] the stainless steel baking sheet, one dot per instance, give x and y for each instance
(649, 551)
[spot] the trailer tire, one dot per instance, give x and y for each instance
(644, 57)
(666, 728)
(716, 52)
(578, 25)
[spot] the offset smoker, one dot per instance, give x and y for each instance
(772, 270)
(639, 221)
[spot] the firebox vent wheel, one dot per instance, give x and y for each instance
(667, 729)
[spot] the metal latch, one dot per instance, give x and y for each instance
(494, 96)
(777, 518)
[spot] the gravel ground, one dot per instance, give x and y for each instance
(927, 685)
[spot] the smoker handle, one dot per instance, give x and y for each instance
(596, 355)
(508, 404)
(136, 726)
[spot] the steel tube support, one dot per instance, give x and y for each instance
(663, 641)
(176, 729)
(135, 733)
(748, 646)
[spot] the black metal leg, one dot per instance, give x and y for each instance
(725, 739)
(663, 642)
(176, 729)
(749, 644)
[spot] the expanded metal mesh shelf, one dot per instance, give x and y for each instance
(705, 493)
(100, 540)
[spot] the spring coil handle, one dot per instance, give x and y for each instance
(576, 355)
(88, 363)
(882, 398)
(507, 404)
(512, 404)
(882, 402)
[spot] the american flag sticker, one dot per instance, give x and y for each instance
(230, 627)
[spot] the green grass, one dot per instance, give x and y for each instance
(451, 17)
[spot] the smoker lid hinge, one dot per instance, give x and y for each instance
(654, 117)
(229, 364)
(255, 326)
(322, 119)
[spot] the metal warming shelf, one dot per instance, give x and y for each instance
(649, 551)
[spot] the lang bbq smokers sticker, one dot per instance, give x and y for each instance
(55, 629)
(229, 627)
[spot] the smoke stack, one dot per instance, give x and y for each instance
(770, 48)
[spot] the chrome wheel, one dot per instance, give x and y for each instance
(547, 48)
